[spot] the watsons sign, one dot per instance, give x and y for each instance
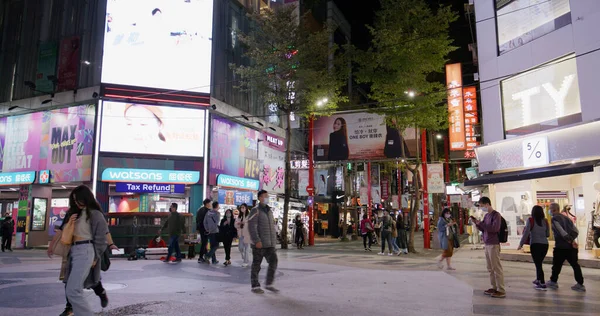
(150, 176)
(12, 178)
(238, 183)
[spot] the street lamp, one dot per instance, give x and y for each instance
(438, 136)
(322, 102)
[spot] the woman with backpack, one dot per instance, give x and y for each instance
(536, 234)
(386, 233)
(366, 230)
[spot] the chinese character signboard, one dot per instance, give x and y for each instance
(455, 107)
(471, 117)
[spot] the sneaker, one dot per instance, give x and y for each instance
(489, 292)
(201, 260)
(499, 295)
(390, 254)
(271, 289)
(177, 260)
(244, 265)
(369, 249)
(67, 312)
(440, 265)
(552, 285)
(541, 287)
(257, 290)
(536, 282)
(103, 299)
(366, 249)
(451, 268)
(381, 254)
(578, 288)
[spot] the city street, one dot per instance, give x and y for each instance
(328, 279)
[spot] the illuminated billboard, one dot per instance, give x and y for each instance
(164, 44)
(152, 130)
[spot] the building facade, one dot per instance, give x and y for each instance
(539, 63)
(122, 96)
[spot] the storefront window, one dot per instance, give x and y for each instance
(543, 98)
(522, 21)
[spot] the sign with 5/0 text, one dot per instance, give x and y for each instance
(535, 152)
(150, 188)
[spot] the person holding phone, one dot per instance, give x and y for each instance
(446, 231)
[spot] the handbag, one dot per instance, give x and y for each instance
(105, 260)
(59, 248)
(66, 236)
(456, 242)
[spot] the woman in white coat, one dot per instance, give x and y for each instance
(241, 223)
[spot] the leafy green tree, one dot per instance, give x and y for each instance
(290, 68)
(409, 47)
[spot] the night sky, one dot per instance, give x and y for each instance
(361, 13)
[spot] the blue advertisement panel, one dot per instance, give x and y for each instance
(150, 176)
(237, 182)
(231, 197)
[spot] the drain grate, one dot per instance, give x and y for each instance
(4, 282)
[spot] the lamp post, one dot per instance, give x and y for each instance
(426, 242)
(311, 176)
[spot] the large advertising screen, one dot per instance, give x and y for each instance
(357, 136)
(522, 21)
(233, 150)
(542, 98)
(159, 44)
(60, 140)
(152, 130)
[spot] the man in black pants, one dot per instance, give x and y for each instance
(7, 231)
(200, 228)
(565, 237)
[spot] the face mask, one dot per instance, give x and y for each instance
(157, 240)
(265, 201)
(447, 215)
(228, 215)
(485, 209)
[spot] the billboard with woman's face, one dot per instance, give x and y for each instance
(357, 136)
(152, 130)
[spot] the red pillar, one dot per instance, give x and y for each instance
(399, 187)
(311, 183)
(426, 243)
(461, 216)
(370, 199)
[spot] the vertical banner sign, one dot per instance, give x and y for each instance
(435, 178)
(385, 187)
(455, 107)
(68, 63)
(46, 66)
(471, 119)
(302, 182)
(375, 184)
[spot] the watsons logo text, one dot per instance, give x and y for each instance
(146, 175)
(235, 182)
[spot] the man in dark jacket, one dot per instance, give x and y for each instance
(264, 240)
(565, 248)
(200, 228)
(7, 231)
(175, 226)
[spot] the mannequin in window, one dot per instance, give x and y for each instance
(566, 211)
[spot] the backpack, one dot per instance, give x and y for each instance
(503, 232)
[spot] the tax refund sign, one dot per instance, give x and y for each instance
(150, 176)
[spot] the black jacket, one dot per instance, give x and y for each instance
(338, 147)
(227, 231)
(200, 219)
(7, 226)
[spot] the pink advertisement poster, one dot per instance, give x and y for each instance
(60, 140)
